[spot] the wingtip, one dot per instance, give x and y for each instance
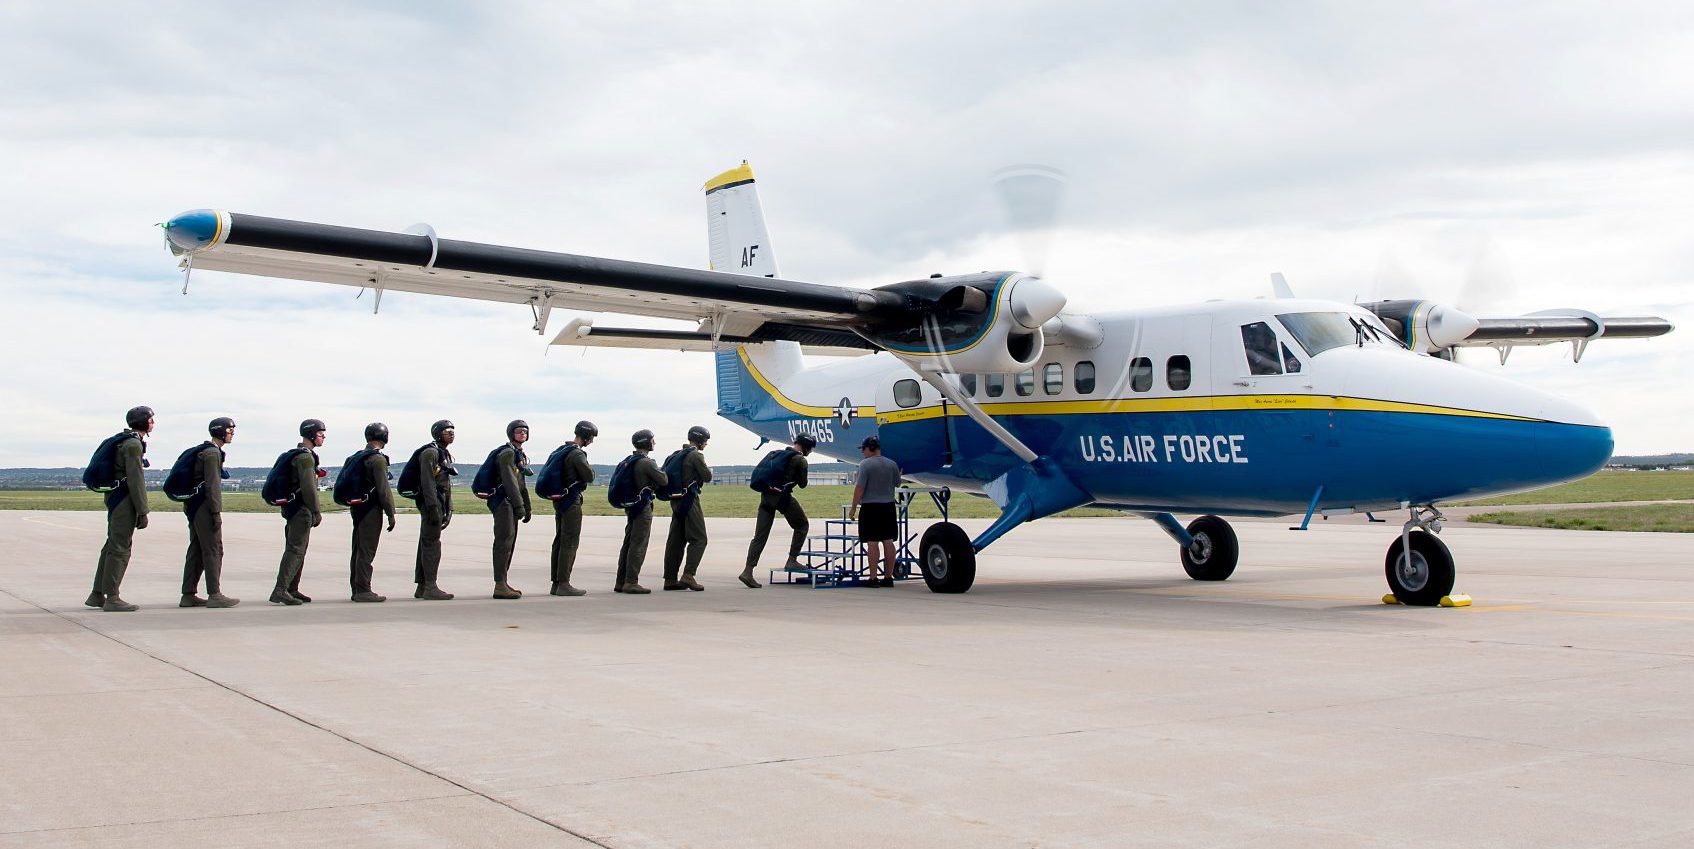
(196, 230)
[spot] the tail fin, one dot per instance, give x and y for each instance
(735, 223)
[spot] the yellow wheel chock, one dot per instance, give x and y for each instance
(1455, 600)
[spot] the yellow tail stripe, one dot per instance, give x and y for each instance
(790, 404)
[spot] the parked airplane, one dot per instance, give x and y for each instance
(984, 383)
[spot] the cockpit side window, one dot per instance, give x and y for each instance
(1290, 361)
(1261, 344)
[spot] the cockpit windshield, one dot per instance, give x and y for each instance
(1320, 331)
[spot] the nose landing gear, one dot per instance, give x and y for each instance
(1419, 567)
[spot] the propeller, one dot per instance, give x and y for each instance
(1031, 197)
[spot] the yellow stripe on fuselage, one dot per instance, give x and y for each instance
(1199, 403)
(790, 404)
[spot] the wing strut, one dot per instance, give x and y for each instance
(971, 409)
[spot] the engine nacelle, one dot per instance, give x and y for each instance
(987, 323)
(1425, 326)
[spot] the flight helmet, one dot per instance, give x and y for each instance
(513, 425)
(586, 429)
(219, 427)
(806, 443)
(698, 435)
(310, 427)
(137, 417)
(436, 429)
(642, 439)
(376, 432)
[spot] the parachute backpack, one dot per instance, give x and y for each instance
(411, 474)
(550, 484)
(487, 479)
(102, 472)
(675, 490)
(622, 492)
(179, 484)
(280, 486)
(350, 485)
(767, 476)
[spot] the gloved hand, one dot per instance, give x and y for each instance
(391, 521)
(446, 519)
(525, 514)
(317, 519)
(141, 521)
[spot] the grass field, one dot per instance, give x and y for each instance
(824, 502)
(1662, 518)
(821, 502)
(1609, 485)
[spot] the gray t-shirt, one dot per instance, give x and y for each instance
(879, 476)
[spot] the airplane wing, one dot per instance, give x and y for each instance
(1434, 328)
(582, 333)
(419, 261)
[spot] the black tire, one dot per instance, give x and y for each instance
(947, 558)
(1215, 551)
(1426, 576)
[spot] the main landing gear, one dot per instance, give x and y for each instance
(1418, 566)
(947, 558)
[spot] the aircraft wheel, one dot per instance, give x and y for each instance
(947, 558)
(1424, 577)
(1215, 551)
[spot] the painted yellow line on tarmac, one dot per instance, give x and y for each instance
(35, 521)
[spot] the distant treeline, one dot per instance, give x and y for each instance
(1650, 461)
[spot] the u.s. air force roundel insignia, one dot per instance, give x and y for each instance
(845, 412)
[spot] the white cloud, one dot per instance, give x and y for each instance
(1358, 148)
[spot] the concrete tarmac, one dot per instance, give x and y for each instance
(1085, 693)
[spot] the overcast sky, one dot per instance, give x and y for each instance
(1511, 155)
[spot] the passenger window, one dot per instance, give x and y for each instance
(995, 384)
(906, 393)
(967, 382)
(1026, 382)
(1290, 361)
(1085, 377)
(1178, 373)
(1053, 378)
(1260, 341)
(1141, 374)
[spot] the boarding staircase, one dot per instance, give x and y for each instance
(836, 557)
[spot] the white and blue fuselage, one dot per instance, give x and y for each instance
(1264, 407)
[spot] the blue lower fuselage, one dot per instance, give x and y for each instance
(1265, 463)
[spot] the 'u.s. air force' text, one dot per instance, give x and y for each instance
(1170, 448)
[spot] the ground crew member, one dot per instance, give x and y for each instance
(638, 524)
(509, 503)
(567, 511)
(879, 524)
(688, 518)
(435, 508)
(126, 513)
(204, 512)
(300, 515)
(368, 514)
(793, 475)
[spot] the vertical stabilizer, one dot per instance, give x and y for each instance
(735, 224)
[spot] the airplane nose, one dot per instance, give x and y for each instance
(194, 230)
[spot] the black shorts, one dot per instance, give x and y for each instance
(877, 523)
